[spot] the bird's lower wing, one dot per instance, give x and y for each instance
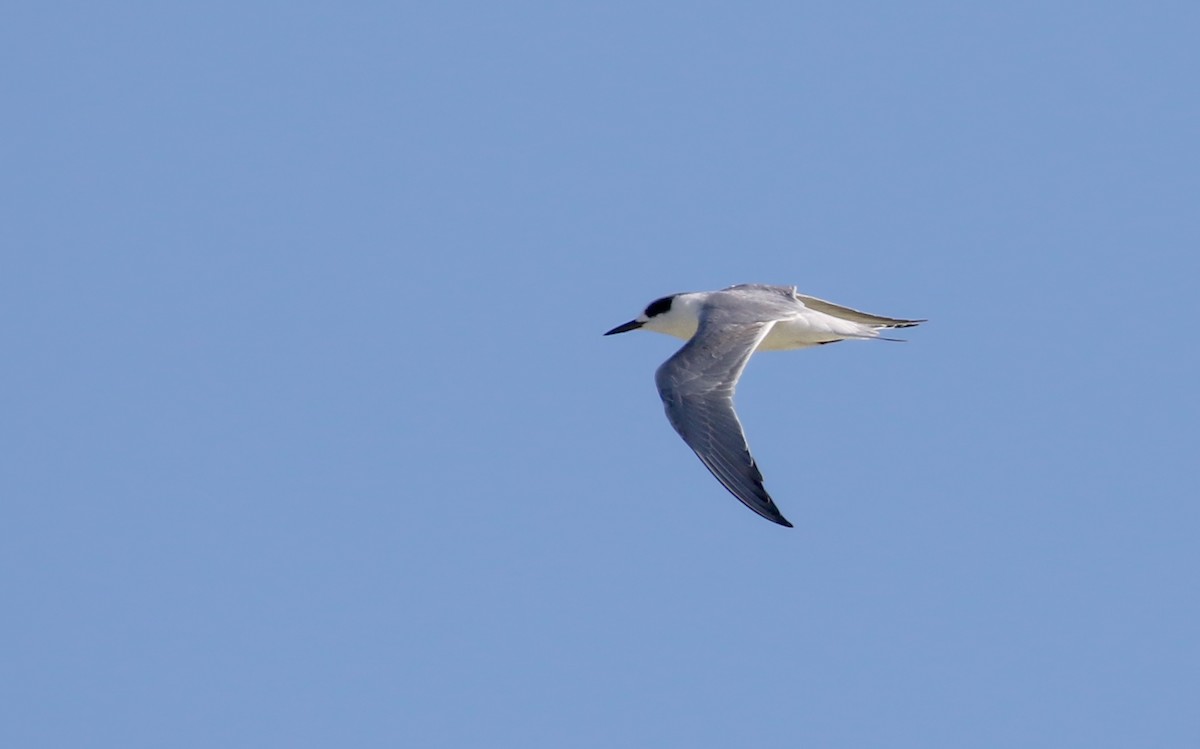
(697, 386)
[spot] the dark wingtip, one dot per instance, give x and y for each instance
(771, 512)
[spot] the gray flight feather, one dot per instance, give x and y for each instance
(697, 386)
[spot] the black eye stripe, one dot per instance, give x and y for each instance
(659, 306)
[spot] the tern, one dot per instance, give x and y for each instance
(723, 329)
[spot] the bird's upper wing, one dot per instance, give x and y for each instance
(697, 385)
(853, 315)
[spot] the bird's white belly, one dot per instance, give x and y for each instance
(799, 332)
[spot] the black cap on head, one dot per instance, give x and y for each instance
(659, 306)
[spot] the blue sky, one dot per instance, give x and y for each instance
(312, 438)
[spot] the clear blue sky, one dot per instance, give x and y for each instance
(311, 437)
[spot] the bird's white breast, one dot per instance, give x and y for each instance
(798, 332)
(810, 328)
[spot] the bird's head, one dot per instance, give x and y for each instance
(675, 315)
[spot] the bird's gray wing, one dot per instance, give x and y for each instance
(853, 315)
(697, 385)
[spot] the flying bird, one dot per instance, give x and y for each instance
(723, 329)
